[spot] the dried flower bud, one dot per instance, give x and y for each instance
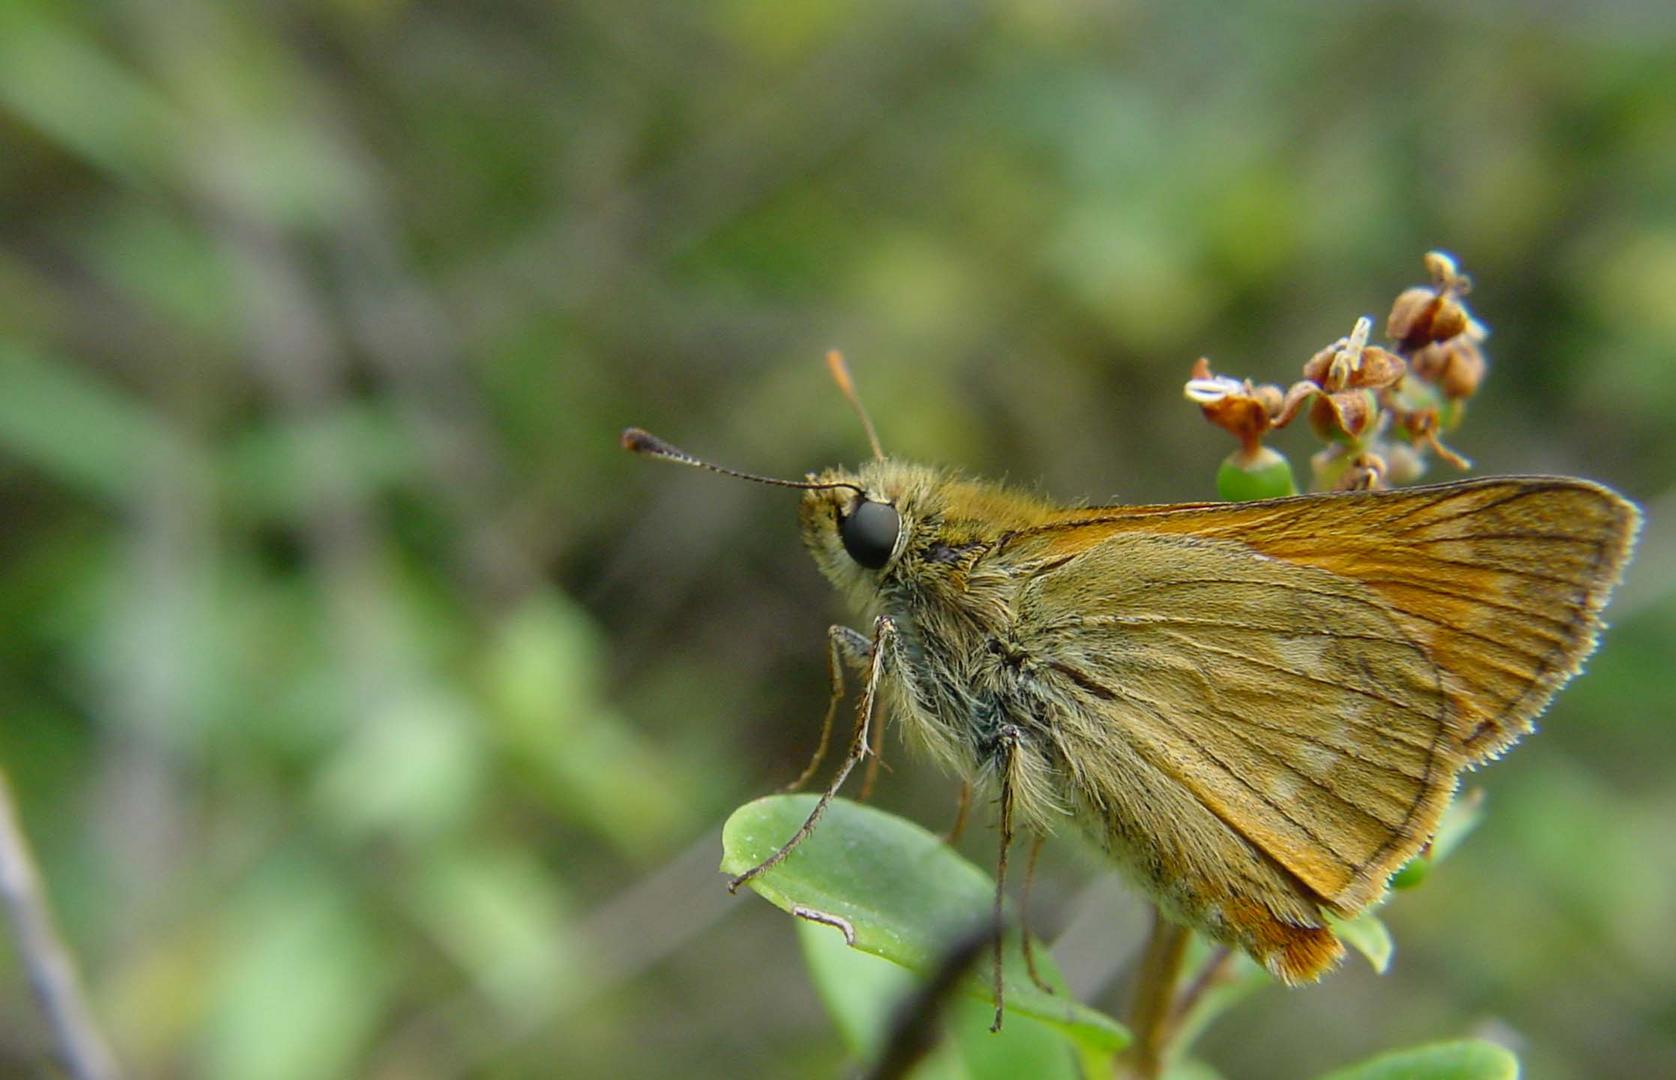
(1446, 275)
(1339, 384)
(1422, 428)
(1420, 316)
(1456, 366)
(1318, 368)
(1423, 315)
(1366, 473)
(1351, 363)
(1296, 398)
(1237, 407)
(1347, 413)
(1379, 425)
(1332, 367)
(1380, 368)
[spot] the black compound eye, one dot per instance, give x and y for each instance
(869, 533)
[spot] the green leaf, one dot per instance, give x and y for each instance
(858, 989)
(81, 96)
(1191, 1070)
(303, 977)
(1413, 872)
(1368, 935)
(863, 992)
(79, 430)
(1462, 816)
(493, 909)
(905, 894)
(1467, 1059)
(550, 720)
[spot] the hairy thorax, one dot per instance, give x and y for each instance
(968, 692)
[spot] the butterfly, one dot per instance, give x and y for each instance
(1259, 710)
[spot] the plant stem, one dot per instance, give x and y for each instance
(52, 973)
(1152, 1008)
(1214, 972)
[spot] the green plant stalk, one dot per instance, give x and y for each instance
(1152, 1010)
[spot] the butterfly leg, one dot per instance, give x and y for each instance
(883, 628)
(952, 837)
(1036, 841)
(843, 645)
(875, 759)
(1007, 739)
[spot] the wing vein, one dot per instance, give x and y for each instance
(1477, 508)
(1262, 797)
(1529, 574)
(1306, 676)
(1477, 601)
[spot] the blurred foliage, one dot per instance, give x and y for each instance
(374, 715)
(1464, 1060)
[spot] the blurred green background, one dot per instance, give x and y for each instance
(375, 715)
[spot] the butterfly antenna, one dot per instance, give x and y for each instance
(846, 385)
(644, 442)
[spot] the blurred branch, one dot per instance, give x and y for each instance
(52, 973)
(913, 1031)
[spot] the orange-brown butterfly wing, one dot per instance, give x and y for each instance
(1283, 692)
(1501, 581)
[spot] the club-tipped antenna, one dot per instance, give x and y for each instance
(846, 385)
(644, 442)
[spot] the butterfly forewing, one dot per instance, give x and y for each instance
(1500, 581)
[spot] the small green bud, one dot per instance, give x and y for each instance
(1459, 819)
(1405, 463)
(1259, 474)
(1326, 466)
(1413, 872)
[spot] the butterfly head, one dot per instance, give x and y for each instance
(864, 526)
